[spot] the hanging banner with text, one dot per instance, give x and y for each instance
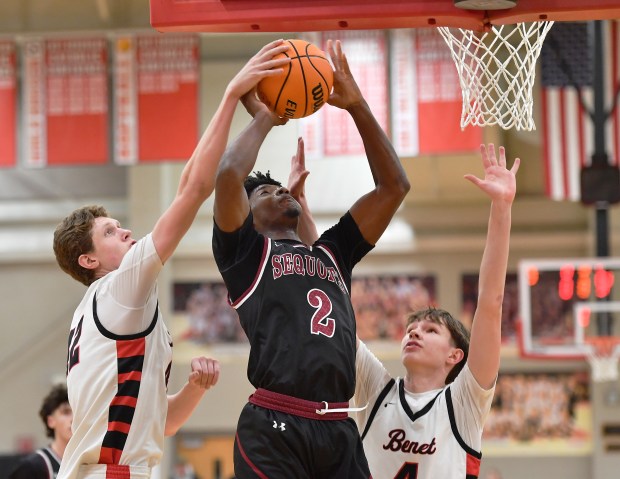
(65, 101)
(155, 97)
(8, 104)
(331, 131)
(426, 97)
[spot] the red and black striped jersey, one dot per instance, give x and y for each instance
(117, 384)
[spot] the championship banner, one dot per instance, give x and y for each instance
(405, 137)
(65, 101)
(8, 104)
(310, 128)
(156, 97)
(367, 54)
(427, 97)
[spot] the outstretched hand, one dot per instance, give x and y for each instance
(261, 65)
(205, 372)
(298, 174)
(499, 182)
(346, 92)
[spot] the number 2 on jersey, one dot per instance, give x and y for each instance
(321, 323)
(73, 353)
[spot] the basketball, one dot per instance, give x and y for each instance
(304, 85)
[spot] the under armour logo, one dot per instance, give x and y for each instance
(282, 426)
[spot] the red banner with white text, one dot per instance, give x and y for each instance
(426, 97)
(8, 104)
(156, 97)
(65, 101)
(331, 131)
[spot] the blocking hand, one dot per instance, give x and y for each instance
(499, 182)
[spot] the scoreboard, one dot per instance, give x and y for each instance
(563, 302)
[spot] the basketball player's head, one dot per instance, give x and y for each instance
(434, 335)
(73, 237)
(273, 208)
(88, 244)
(56, 412)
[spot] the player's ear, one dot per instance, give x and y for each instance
(456, 355)
(88, 261)
(51, 421)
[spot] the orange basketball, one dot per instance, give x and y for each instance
(304, 85)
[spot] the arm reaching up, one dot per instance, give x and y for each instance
(499, 184)
(231, 202)
(197, 179)
(373, 211)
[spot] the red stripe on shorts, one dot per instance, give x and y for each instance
(117, 472)
(248, 461)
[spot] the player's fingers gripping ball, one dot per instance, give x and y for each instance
(304, 85)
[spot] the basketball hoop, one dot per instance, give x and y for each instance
(497, 90)
(603, 358)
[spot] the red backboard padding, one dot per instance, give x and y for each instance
(328, 15)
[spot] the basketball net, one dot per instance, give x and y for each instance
(603, 358)
(497, 70)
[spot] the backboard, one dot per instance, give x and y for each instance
(564, 303)
(328, 15)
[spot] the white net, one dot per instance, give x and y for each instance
(497, 70)
(603, 359)
(603, 368)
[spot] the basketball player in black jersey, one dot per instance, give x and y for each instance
(293, 299)
(57, 417)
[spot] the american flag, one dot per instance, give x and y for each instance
(568, 131)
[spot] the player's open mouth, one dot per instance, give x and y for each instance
(413, 345)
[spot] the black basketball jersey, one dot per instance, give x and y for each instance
(294, 305)
(41, 464)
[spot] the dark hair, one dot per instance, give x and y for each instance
(73, 237)
(458, 332)
(54, 399)
(253, 182)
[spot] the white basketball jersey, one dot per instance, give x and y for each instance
(117, 384)
(417, 436)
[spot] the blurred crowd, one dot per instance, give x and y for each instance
(537, 406)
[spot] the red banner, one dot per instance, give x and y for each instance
(420, 108)
(331, 131)
(368, 58)
(66, 101)
(426, 97)
(156, 97)
(8, 95)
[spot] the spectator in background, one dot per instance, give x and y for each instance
(57, 416)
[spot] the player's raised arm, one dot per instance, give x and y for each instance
(231, 206)
(373, 211)
(499, 184)
(197, 179)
